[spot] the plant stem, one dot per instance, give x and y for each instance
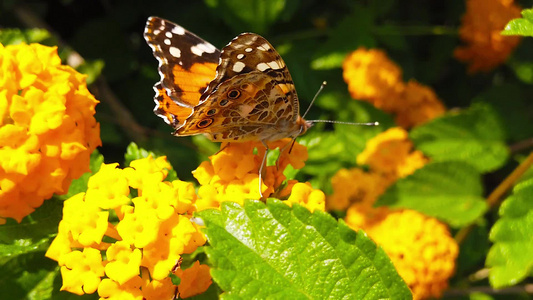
(494, 198)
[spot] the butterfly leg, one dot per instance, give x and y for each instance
(223, 147)
(261, 168)
(291, 143)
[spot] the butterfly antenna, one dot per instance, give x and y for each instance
(346, 123)
(324, 83)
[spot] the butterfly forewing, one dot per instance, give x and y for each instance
(242, 93)
(187, 64)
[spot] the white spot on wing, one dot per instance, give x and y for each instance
(157, 31)
(167, 42)
(262, 66)
(264, 47)
(248, 50)
(274, 65)
(238, 66)
(168, 34)
(174, 52)
(178, 30)
(240, 56)
(203, 48)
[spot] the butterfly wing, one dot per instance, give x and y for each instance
(187, 64)
(252, 97)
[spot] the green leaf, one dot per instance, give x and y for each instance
(523, 26)
(352, 32)
(450, 191)
(262, 250)
(134, 152)
(16, 36)
(92, 69)
(507, 100)
(26, 273)
(272, 157)
(511, 256)
(474, 136)
(257, 15)
(80, 185)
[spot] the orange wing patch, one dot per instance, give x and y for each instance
(189, 84)
(168, 109)
(187, 88)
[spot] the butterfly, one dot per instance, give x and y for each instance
(242, 93)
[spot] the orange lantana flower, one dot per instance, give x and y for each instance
(485, 48)
(47, 127)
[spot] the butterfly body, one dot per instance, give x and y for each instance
(242, 93)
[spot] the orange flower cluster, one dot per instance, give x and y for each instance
(420, 247)
(485, 48)
(147, 231)
(47, 128)
(232, 174)
(371, 76)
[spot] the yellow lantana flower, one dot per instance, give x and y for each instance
(420, 247)
(485, 48)
(194, 280)
(47, 127)
(305, 195)
(232, 174)
(391, 154)
(371, 76)
(145, 235)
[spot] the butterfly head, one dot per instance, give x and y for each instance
(303, 125)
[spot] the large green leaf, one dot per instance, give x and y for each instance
(523, 26)
(271, 250)
(450, 191)
(511, 256)
(26, 273)
(474, 136)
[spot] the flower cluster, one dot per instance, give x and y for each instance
(485, 48)
(232, 174)
(371, 76)
(47, 127)
(420, 247)
(129, 220)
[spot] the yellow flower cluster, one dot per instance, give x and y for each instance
(232, 174)
(420, 247)
(485, 48)
(371, 76)
(129, 220)
(47, 128)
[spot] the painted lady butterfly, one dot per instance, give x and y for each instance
(242, 93)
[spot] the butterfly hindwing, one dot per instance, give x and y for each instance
(251, 98)
(187, 64)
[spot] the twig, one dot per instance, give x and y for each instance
(496, 195)
(521, 146)
(513, 290)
